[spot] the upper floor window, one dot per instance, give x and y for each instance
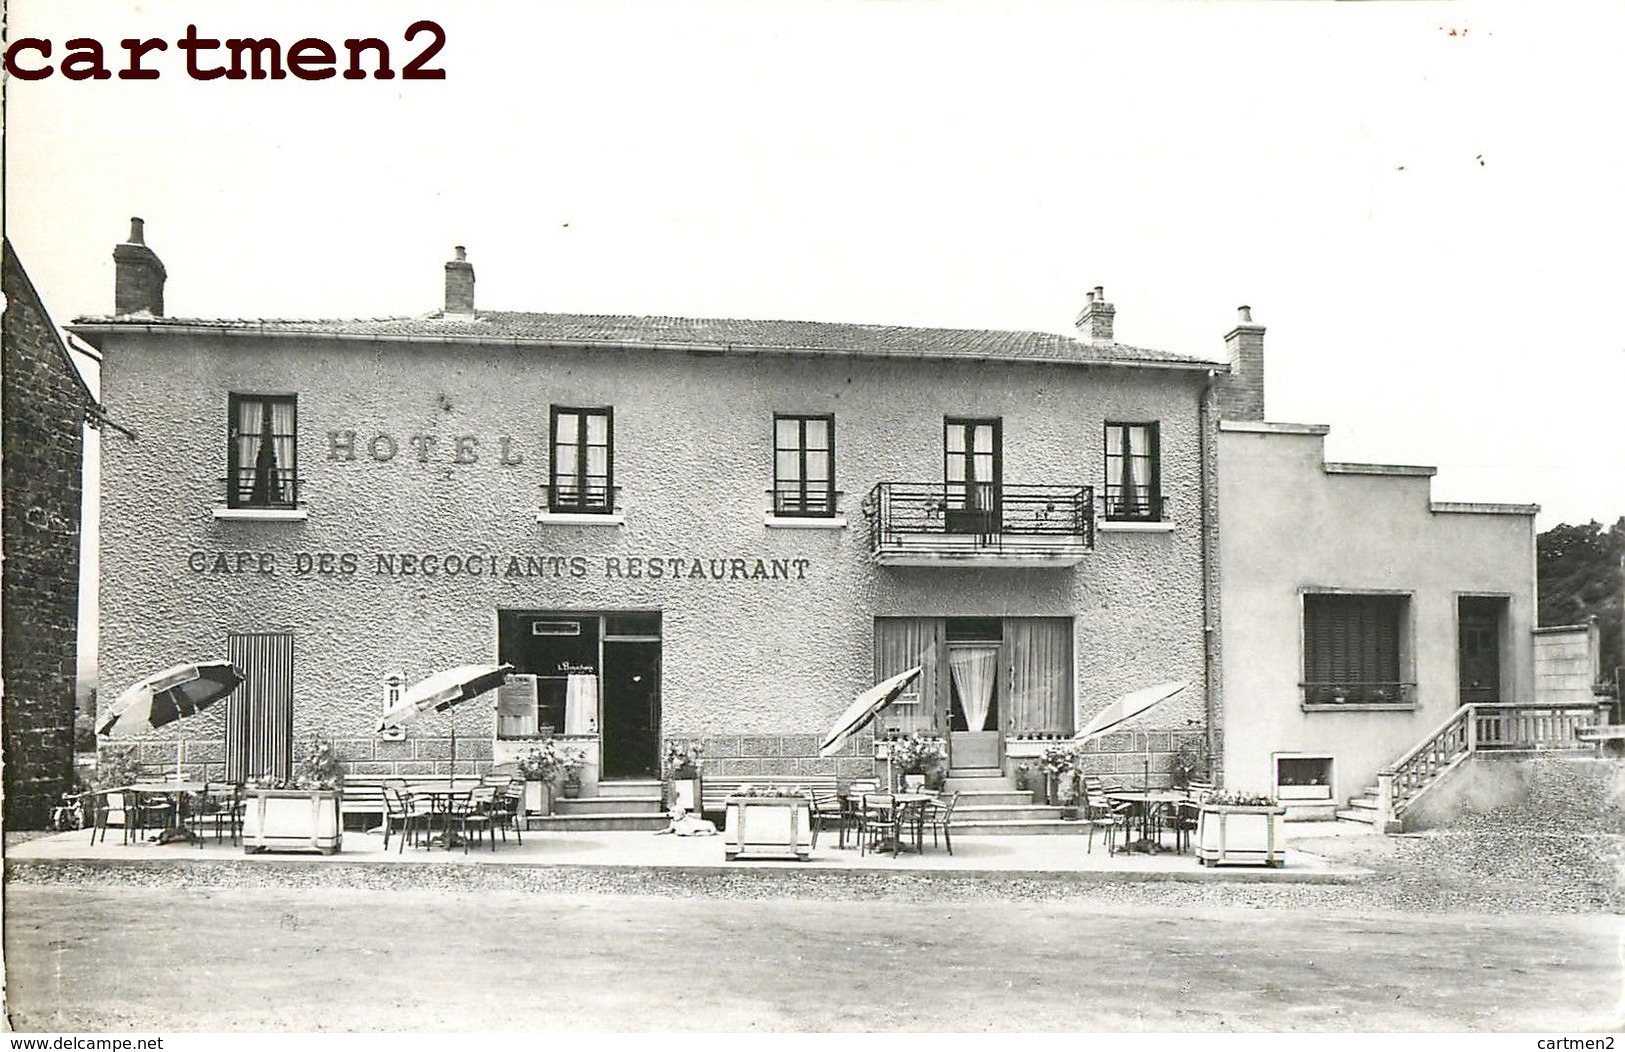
(804, 465)
(262, 461)
(1133, 472)
(583, 460)
(972, 474)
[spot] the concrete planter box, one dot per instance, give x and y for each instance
(686, 793)
(292, 820)
(538, 797)
(1240, 836)
(767, 827)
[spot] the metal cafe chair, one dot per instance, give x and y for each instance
(938, 815)
(401, 817)
(826, 808)
(220, 807)
(474, 811)
(507, 808)
(1183, 815)
(1101, 813)
(879, 824)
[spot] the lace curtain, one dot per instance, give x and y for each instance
(974, 670)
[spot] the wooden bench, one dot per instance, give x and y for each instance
(715, 789)
(364, 799)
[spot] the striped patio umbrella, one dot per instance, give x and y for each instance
(165, 697)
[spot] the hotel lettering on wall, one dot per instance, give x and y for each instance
(497, 565)
(382, 448)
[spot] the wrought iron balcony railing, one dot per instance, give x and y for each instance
(572, 499)
(1355, 694)
(277, 489)
(920, 523)
(794, 501)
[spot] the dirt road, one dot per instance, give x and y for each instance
(98, 959)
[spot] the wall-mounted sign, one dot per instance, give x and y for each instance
(494, 564)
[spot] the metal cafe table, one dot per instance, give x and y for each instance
(181, 793)
(911, 808)
(1146, 802)
(441, 797)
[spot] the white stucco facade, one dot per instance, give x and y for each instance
(1292, 525)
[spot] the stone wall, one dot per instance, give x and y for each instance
(43, 449)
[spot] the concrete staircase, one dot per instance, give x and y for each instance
(990, 804)
(1362, 808)
(631, 805)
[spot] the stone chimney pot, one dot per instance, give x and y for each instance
(460, 284)
(138, 275)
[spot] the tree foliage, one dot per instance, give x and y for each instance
(1578, 571)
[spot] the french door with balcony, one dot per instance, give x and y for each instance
(972, 475)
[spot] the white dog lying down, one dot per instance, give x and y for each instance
(685, 824)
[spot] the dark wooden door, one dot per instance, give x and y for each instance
(1479, 652)
(631, 709)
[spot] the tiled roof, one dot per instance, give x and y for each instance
(714, 334)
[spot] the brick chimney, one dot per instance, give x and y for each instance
(1241, 394)
(138, 275)
(460, 285)
(1095, 320)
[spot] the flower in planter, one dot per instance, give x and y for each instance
(770, 792)
(917, 754)
(1237, 798)
(320, 768)
(548, 760)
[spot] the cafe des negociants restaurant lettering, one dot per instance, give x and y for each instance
(496, 565)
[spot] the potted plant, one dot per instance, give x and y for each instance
(571, 761)
(1189, 763)
(301, 812)
(1055, 761)
(1024, 778)
(541, 767)
(915, 758)
(683, 770)
(1239, 828)
(767, 822)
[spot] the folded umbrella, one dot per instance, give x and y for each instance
(1127, 707)
(864, 708)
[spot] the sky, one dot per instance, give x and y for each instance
(1421, 201)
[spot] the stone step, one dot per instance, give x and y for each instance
(1019, 827)
(1368, 802)
(979, 783)
(637, 787)
(608, 805)
(1368, 816)
(993, 797)
(596, 823)
(976, 772)
(1010, 812)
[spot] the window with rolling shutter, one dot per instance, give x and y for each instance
(1354, 649)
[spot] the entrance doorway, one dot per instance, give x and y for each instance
(608, 661)
(975, 650)
(1478, 622)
